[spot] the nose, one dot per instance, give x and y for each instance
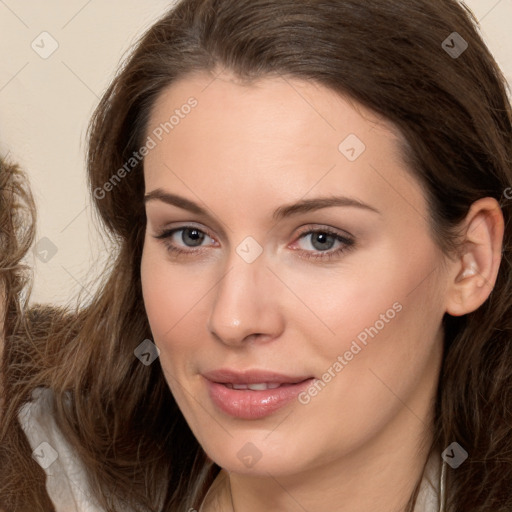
(246, 305)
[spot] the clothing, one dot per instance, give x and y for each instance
(429, 494)
(66, 481)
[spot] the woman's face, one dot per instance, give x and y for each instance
(287, 245)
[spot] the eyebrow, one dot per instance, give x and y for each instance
(302, 206)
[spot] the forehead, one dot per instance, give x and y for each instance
(274, 103)
(277, 133)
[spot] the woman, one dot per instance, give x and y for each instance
(310, 304)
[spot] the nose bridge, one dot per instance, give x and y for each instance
(245, 302)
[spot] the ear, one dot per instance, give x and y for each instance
(475, 269)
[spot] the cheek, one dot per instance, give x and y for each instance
(388, 334)
(171, 296)
(383, 318)
(367, 292)
(334, 307)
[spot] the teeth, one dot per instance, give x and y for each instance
(258, 387)
(255, 387)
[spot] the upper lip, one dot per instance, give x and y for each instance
(228, 376)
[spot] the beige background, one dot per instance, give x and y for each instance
(46, 101)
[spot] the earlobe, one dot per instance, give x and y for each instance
(476, 269)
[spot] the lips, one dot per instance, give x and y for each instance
(252, 394)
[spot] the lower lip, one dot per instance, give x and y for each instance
(252, 405)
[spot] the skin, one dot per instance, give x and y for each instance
(243, 152)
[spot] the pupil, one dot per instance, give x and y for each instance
(193, 235)
(323, 238)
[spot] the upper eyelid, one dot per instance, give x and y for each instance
(326, 229)
(167, 232)
(220, 227)
(285, 213)
(168, 229)
(304, 229)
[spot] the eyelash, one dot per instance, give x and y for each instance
(347, 243)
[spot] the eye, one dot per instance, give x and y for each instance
(321, 243)
(189, 240)
(177, 240)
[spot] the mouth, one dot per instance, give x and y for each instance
(252, 394)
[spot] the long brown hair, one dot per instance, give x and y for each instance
(17, 231)
(392, 57)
